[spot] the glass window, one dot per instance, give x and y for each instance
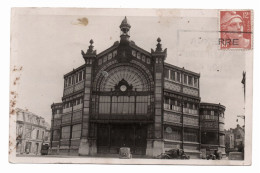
(105, 58)
(166, 73)
(80, 75)
(172, 75)
(56, 135)
(100, 61)
(70, 82)
(143, 58)
(190, 136)
(166, 103)
(148, 60)
(110, 55)
(172, 133)
(65, 132)
(134, 53)
(104, 104)
(66, 80)
(66, 118)
(141, 104)
(185, 79)
(37, 134)
(114, 53)
(76, 78)
(138, 55)
(123, 104)
(196, 82)
(190, 80)
(178, 77)
(76, 131)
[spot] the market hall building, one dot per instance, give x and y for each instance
(126, 96)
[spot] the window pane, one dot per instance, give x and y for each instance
(185, 79)
(76, 131)
(178, 77)
(172, 75)
(65, 132)
(166, 73)
(195, 82)
(190, 80)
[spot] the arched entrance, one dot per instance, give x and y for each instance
(122, 109)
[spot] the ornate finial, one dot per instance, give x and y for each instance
(159, 45)
(125, 27)
(90, 48)
(125, 24)
(91, 41)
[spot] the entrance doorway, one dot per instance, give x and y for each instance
(111, 137)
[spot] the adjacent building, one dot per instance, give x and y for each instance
(212, 127)
(235, 139)
(127, 96)
(32, 131)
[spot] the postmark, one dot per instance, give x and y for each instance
(235, 29)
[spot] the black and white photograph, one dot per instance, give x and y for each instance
(130, 86)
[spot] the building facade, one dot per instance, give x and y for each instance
(235, 139)
(127, 96)
(212, 126)
(32, 132)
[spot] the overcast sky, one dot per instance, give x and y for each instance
(48, 45)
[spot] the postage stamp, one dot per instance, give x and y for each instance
(235, 30)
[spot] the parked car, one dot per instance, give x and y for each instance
(173, 154)
(44, 149)
(217, 155)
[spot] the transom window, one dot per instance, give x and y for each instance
(131, 75)
(123, 104)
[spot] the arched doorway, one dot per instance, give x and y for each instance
(122, 107)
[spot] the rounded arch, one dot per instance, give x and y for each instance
(135, 76)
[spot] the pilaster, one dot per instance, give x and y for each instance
(86, 145)
(155, 145)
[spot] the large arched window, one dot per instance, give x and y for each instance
(123, 90)
(130, 75)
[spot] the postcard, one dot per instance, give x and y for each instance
(131, 86)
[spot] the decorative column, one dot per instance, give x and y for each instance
(87, 145)
(155, 146)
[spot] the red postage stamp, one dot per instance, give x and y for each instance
(235, 30)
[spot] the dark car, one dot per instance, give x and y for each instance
(173, 154)
(216, 156)
(44, 149)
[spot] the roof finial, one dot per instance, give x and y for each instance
(159, 45)
(125, 27)
(90, 48)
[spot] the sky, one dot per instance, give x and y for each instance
(48, 44)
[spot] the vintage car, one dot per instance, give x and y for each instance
(216, 156)
(45, 149)
(173, 154)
